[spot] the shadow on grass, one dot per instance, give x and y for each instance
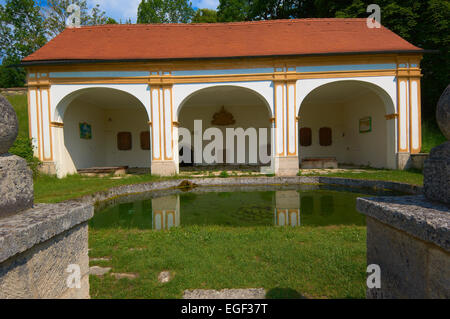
(284, 293)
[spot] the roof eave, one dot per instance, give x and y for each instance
(91, 61)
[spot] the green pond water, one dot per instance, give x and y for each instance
(292, 206)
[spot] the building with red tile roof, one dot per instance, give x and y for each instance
(275, 38)
(328, 91)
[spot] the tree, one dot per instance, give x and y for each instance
(21, 33)
(423, 23)
(165, 11)
(56, 15)
(233, 10)
(111, 21)
(205, 16)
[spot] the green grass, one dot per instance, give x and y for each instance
(414, 177)
(50, 189)
(20, 105)
(431, 136)
(311, 262)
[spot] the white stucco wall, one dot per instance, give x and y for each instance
(102, 150)
(182, 92)
(62, 95)
(255, 116)
(348, 145)
(349, 148)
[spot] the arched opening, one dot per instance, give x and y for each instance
(105, 128)
(226, 109)
(344, 122)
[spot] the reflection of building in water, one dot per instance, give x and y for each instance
(166, 212)
(287, 208)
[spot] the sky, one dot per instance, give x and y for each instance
(124, 9)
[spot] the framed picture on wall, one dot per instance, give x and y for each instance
(85, 131)
(365, 124)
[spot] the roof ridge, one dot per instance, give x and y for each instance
(217, 24)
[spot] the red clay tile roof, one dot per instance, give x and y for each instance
(221, 40)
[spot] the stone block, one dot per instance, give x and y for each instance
(437, 174)
(164, 168)
(403, 161)
(41, 272)
(409, 238)
(286, 166)
(16, 185)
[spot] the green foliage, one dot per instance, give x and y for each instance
(423, 23)
(165, 11)
(223, 174)
(431, 136)
(56, 15)
(205, 16)
(11, 76)
(233, 10)
(22, 32)
(111, 21)
(22, 146)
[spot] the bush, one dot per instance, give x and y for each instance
(224, 174)
(23, 147)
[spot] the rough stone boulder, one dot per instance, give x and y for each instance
(16, 179)
(436, 169)
(8, 125)
(16, 185)
(443, 113)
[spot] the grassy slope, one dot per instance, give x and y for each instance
(20, 104)
(431, 136)
(319, 262)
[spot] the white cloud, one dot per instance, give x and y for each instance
(209, 4)
(120, 9)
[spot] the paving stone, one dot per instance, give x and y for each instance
(164, 277)
(100, 259)
(251, 293)
(98, 271)
(124, 275)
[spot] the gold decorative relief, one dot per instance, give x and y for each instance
(223, 117)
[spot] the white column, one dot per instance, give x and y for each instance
(286, 150)
(164, 133)
(415, 116)
(403, 115)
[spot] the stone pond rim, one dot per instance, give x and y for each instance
(9, 127)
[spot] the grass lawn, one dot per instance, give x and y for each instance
(311, 262)
(431, 136)
(49, 189)
(413, 177)
(20, 104)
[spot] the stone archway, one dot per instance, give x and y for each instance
(351, 116)
(222, 108)
(101, 127)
